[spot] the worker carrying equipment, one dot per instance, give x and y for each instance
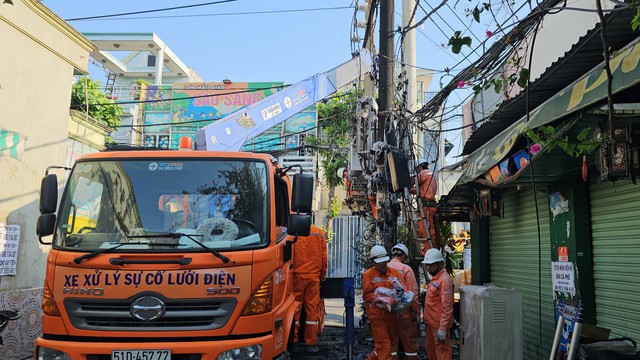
(406, 322)
(438, 308)
(381, 320)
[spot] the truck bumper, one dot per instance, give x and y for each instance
(187, 350)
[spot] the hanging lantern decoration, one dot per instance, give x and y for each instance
(488, 203)
(635, 152)
(483, 203)
(602, 157)
(619, 153)
(618, 160)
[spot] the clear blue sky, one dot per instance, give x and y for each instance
(284, 46)
(275, 44)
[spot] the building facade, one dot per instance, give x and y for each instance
(34, 133)
(552, 199)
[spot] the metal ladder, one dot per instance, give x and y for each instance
(417, 216)
(110, 85)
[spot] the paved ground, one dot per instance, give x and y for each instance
(332, 341)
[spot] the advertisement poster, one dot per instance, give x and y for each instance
(215, 100)
(162, 120)
(157, 98)
(303, 121)
(563, 277)
(9, 237)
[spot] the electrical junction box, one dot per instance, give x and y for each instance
(490, 323)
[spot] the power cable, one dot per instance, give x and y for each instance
(449, 25)
(186, 97)
(151, 11)
(495, 55)
(223, 14)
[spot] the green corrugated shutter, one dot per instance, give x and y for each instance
(615, 226)
(514, 264)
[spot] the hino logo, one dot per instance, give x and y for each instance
(83, 291)
(147, 308)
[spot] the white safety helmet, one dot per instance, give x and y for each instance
(421, 162)
(400, 247)
(379, 254)
(432, 256)
(340, 172)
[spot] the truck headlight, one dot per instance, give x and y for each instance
(253, 352)
(44, 353)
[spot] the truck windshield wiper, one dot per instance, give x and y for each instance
(176, 236)
(79, 259)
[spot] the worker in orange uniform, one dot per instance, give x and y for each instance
(406, 323)
(309, 269)
(438, 308)
(428, 186)
(381, 321)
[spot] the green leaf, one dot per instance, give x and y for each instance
(8, 2)
(563, 145)
(534, 136)
(583, 134)
(476, 14)
(523, 78)
(549, 131)
(456, 42)
(497, 86)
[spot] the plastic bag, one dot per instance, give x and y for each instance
(384, 298)
(395, 300)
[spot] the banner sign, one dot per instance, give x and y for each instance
(230, 133)
(9, 237)
(589, 90)
(563, 277)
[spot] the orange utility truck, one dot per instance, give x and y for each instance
(170, 255)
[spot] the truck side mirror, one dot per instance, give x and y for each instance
(302, 193)
(45, 225)
(299, 225)
(48, 194)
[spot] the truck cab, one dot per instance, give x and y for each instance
(170, 255)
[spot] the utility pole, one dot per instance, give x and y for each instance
(409, 53)
(386, 58)
(369, 84)
(386, 222)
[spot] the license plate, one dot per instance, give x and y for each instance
(141, 355)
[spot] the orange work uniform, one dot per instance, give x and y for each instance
(428, 187)
(309, 268)
(438, 315)
(405, 325)
(382, 322)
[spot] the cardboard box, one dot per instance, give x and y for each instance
(496, 176)
(521, 159)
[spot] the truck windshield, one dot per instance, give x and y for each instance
(222, 203)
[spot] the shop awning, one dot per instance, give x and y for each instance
(588, 90)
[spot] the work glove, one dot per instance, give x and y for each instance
(442, 336)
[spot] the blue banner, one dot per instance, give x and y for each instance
(231, 132)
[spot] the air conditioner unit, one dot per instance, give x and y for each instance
(490, 323)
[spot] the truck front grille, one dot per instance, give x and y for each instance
(180, 314)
